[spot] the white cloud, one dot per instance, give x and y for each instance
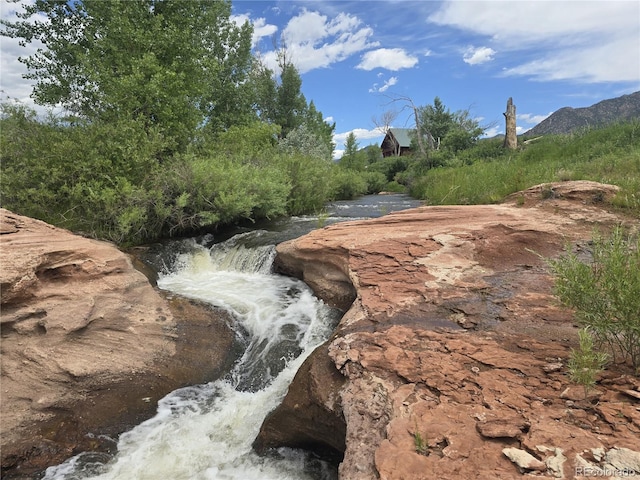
(385, 86)
(315, 41)
(614, 61)
(360, 133)
(588, 41)
(12, 84)
(492, 132)
(478, 55)
(261, 28)
(390, 58)
(532, 119)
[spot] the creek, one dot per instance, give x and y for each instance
(205, 432)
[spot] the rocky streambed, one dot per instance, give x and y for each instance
(450, 361)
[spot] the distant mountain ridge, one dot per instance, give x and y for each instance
(568, 119)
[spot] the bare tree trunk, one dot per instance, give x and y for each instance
(510, 138)
(421, 146)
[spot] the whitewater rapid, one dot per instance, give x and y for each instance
(205, 432)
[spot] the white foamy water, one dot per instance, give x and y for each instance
(205, 432)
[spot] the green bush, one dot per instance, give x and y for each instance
(376, 182)
(310, 181)
(207, 191)
(90, 178)
(394, 187)
(605, 292)
(348, 184)
(586, 363)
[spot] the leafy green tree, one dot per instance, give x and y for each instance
(352, 159)
(372, 153)
(290, 102)
(314, 120)
(435, 121)
(443, 129)
(263, 82)
(305, 142)
(350, 145)
(280, 101)
(175, 65)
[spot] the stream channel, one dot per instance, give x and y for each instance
(205, 432)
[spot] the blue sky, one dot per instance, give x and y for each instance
(355, 57)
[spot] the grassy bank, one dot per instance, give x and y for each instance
(608, 155)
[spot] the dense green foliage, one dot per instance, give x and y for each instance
(605, 292)
(107, 180)
(171, 124)
(446, 130)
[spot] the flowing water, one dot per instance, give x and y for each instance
(205, 431)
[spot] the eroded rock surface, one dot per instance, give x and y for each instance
(453, 349)
(88, 345)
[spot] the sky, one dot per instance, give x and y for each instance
(359, 59)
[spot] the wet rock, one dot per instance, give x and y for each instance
(310, 417)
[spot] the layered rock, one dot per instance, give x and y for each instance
(453, 350)
(88, 345)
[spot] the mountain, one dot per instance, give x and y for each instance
(568, 119)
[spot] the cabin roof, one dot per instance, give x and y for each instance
(402, 136)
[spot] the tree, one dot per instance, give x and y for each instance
(353, 159)
(173, 65)
(444, 129)
(280, 101)
(435, 122)
(290, 102)
(350, 145)
(384, 122)
(313, 119)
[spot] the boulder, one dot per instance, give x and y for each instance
(88, 345)
(453, 347)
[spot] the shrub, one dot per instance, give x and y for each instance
(605, 293)
(394, 187)
(585, 363)
(348, 184)
(376, 182)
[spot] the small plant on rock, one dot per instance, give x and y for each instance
(421, 444)
(586, 363)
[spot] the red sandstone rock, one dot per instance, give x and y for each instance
(88, 345)
(452, 333)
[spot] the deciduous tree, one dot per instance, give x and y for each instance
(175, 65)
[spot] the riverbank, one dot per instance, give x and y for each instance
(453, 353)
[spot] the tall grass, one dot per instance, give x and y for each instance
(608, 155)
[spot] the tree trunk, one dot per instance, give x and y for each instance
(510, 138)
